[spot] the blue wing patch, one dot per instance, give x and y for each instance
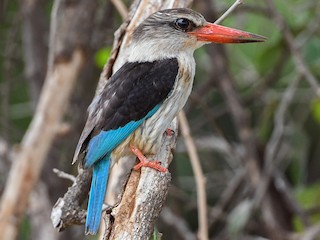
(106, 141)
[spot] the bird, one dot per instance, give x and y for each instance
(133, 110)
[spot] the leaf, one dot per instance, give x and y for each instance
(239, 217)
(156, 235)
(308, 197)
(315, 110)
(102, 56)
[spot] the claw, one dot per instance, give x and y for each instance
(144, 162)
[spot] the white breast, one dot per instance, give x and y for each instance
(148, 136)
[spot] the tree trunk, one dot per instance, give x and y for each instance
(70, 33)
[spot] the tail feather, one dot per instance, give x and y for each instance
(97, 193)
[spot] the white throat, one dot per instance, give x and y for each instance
(148, 51)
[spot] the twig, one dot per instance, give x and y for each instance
(227, 196)
(301, 66)
(199, 177)
(230, 10)
(182, 196)
(240, 117)
(274, 142)
(64, 175)
(122, 9)
(230, 148)
(284, 187)
(310, 30)
(179, 224)
(232, 151)
(67, 210)
(279, 121)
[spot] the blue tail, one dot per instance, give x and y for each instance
(97, 193)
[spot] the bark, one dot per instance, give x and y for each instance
(143, 198)
(67, 210)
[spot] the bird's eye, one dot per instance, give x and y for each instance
(183, 23)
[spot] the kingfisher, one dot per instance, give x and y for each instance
(130, 114)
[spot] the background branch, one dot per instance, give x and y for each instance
(66, 61)
(199, 177)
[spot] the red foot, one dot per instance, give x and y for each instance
(144, 161)
(169, 132)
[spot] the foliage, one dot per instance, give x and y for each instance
(102, 56)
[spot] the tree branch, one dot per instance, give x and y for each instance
(67, 210)
(66, 60)
(122, 9)
(143, 198)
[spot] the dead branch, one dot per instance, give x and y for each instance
(230, 10)
(65, 62)
(64, 175)
(122, 9)
(67, 210)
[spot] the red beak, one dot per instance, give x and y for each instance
(220, 34)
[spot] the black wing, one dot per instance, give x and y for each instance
(133, 91)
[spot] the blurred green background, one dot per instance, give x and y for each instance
(268, 80)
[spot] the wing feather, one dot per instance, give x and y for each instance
(134, 92)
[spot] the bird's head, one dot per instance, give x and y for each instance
(172, 31)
